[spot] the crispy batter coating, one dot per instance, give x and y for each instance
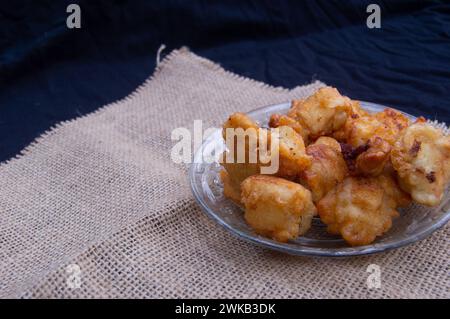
(421, 156)
(369, 140)
(328, 167)
(359, 129)
(331, 142)
(373, 158)
(321, 113)
(395, 196)
(231, 189)
(239, 120)
(292, 157)
(395, 121)
(277, 208)
(277, 120)
(357, 110)
(292, 153)
(233, 175)
(360, 209)
(235, 172)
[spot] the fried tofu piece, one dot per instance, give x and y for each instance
(243, 135)
(328, 167)
(321, 113)
(331, 142)
(421, 157)
(360, 128)
(373, 161)
(293, 158)
(370, 139)
(395, 196)
(395, 121)
(357, 110)
(277, 120)
(360, 209)
(277, 208)
(355, 113)
(240, 133)
(357, 132)
(233, 175)
(231, 189)
(239, 120)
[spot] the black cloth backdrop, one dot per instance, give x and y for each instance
(49, 73)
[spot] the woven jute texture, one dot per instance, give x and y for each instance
(102, 193)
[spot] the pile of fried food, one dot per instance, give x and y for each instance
(351, 168)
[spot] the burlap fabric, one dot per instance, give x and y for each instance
(101, 192)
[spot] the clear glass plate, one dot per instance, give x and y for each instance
(415, 223)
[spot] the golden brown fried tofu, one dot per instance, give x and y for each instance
(277, 120)
(421, 157)
(231, 190)
(357, 110)
(360, 209)
(239, 120)
(321, 113)
(394, 120)
(328, 167)
(370, 139)
(358, 130)
(373, 161)
(292, 153)
(240, 133)
(277, 208)
(331, 142)
(243, 134)
(233, 175)
(395, 196)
